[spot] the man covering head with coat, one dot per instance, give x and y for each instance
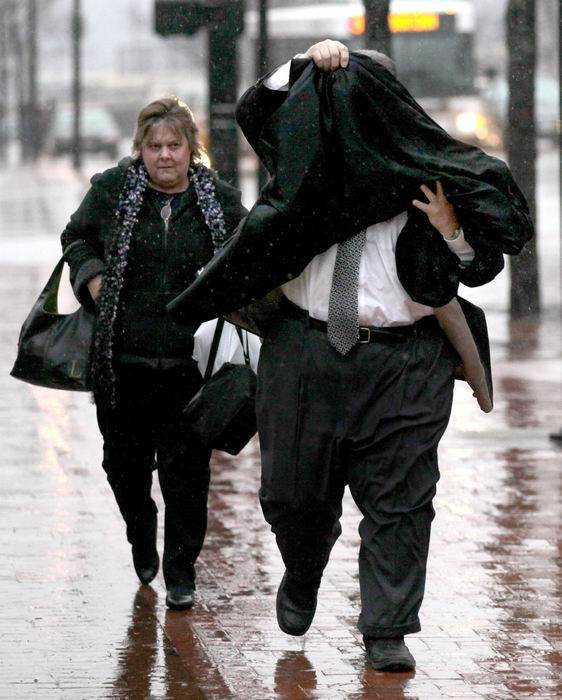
(358, 135)
(355, 381)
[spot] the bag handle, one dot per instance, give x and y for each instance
(49, 296)
(246, 346)
(214, 348)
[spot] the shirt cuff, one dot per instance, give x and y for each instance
(461, 248)
(279, 79)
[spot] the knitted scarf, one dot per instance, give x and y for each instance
(126, 218)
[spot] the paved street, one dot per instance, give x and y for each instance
(76, 625)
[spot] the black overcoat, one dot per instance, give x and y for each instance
(347, 149)
(159, 265)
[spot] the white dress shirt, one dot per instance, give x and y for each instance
(382, 299)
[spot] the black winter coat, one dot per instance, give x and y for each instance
(345, 150)
(159, 265)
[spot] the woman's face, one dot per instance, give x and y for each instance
(167, 157)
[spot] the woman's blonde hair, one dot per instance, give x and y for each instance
(171, 112)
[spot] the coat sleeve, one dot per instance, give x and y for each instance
(231, 203)
(488, 259)
(430, 272)
(82, 242)
(254, 108)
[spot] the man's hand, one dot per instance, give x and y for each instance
(439, 211)
(94, 287)
(328, 55)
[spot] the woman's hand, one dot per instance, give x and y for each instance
(328, 54)
(439, 211)
(94, 287)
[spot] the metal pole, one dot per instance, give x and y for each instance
(3, 81)
(226, 23)
(262, 57)
(377, 31)
(18, 70)
(77, 84)
(522, 149)
(222, 102)
(30, 114)
(262, 64)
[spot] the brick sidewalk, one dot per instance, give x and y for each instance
(76, 625)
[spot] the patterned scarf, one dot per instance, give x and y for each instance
(126, 218)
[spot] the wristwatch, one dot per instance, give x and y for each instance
(456, 234)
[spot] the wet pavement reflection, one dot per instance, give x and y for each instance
(76, 625)
(148, 663)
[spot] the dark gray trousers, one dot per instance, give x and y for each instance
(147, 430)
(371, 420)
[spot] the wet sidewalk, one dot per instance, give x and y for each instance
(76, 625)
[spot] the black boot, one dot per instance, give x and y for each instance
(145, 554)
(389, 654)
(296, 604)
(179, 597)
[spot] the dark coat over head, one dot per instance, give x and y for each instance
(347, 149)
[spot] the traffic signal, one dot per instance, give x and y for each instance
(224, 20)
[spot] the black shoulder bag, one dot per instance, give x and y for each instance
(223, 412)
(53, 348)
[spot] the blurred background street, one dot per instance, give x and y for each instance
(76, 625)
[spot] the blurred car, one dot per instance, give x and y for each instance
(98, 129)
(547, 104)
(466, 118)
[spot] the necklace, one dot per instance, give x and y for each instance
(166, 212)
(166, 203)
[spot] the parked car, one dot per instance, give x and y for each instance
(98, 127)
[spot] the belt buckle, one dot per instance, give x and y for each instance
(368, 333)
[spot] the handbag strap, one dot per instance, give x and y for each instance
(48, 299)
(245, 347)
(214, 348)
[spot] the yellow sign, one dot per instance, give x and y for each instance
(413, 22)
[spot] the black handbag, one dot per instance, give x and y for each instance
(223, 412)
(53, 348)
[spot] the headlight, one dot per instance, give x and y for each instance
(469, 123)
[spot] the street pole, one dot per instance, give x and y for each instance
(521, 148)
(377, 31)
(222, 95)
(76, 31)
(3, 81)
(16, 46)
(31, 111)
(262, 63)
(263, 39)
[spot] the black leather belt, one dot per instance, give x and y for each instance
(367, 334)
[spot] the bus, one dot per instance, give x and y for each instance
(431, 43)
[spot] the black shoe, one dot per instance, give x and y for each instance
(389, 654)
(145, 560)
(296, 604)
(180, 597)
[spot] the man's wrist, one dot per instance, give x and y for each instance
(457, 233)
